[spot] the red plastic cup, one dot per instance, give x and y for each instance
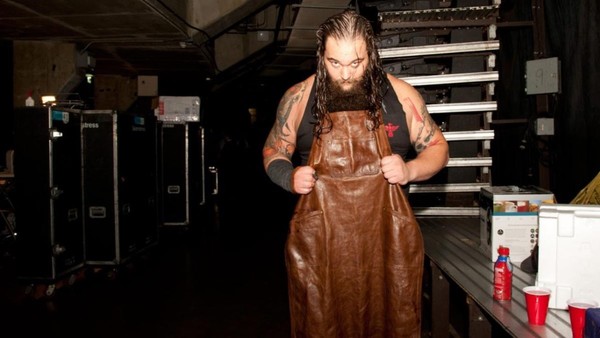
(577, 307)
(537, 299)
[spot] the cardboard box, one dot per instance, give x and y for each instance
(569, 247)
(178, 109)
(509, 217)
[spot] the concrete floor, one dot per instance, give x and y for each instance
(197, 282)
(223, 276)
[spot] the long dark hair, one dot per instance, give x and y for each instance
(348, 25)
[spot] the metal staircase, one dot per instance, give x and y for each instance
(459, 40)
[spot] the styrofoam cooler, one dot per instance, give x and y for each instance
(569, 248)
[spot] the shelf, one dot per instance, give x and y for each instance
(470, 135)
(432, 27)
(441, 17)
(448, 48)
(470, 162)
(450, 187)
(446, 211)
(451, 78)
(467, 107)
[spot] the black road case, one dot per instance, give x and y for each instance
(48, 194)
(181, 171)
(120, 185)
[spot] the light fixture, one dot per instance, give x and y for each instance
(48, 100)
(89, 77)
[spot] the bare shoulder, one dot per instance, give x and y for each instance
(293, 102)
(281, 141)
(423, 129)
(405, 91)
(298, 90)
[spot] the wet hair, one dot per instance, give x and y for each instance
(348, 25)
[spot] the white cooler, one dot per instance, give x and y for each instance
(569, 249)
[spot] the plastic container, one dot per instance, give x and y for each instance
(503, 275)
(29, 102)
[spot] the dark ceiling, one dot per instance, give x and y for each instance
(149, 37)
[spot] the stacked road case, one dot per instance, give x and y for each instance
(86, 190)
(48, 197)
(119, 171)
(175, 173)
(181, 159)
(181, 171)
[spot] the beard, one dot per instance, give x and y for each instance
(344, 98)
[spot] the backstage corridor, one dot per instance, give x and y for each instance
(212, 279)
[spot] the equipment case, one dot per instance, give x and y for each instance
(119, 175)
(181, 171)
(48, 195)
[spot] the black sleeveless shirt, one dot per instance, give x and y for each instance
(394, 120)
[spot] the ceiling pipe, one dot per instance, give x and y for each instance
(224, 24)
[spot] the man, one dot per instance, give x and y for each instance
(354, 253)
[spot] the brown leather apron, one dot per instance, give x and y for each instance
(354, 253)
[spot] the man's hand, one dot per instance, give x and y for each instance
(303, 180)
(395, 169)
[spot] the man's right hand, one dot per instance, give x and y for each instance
(303, 180)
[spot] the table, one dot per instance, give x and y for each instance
(452, 247)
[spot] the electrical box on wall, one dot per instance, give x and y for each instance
(542, 76)
(544, 126)
(147, 85)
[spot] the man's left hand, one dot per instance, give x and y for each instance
(395, 169)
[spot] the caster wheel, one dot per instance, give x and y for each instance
(50, 290)
(72, 279)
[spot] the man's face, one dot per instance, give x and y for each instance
(346, 61)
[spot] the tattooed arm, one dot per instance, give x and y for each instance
(425, 136)
(280, 144)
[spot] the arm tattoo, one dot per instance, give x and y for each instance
(277, 142)
(426, 130)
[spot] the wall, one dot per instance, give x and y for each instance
(42, 67)
(114, 92)
(6, 100)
